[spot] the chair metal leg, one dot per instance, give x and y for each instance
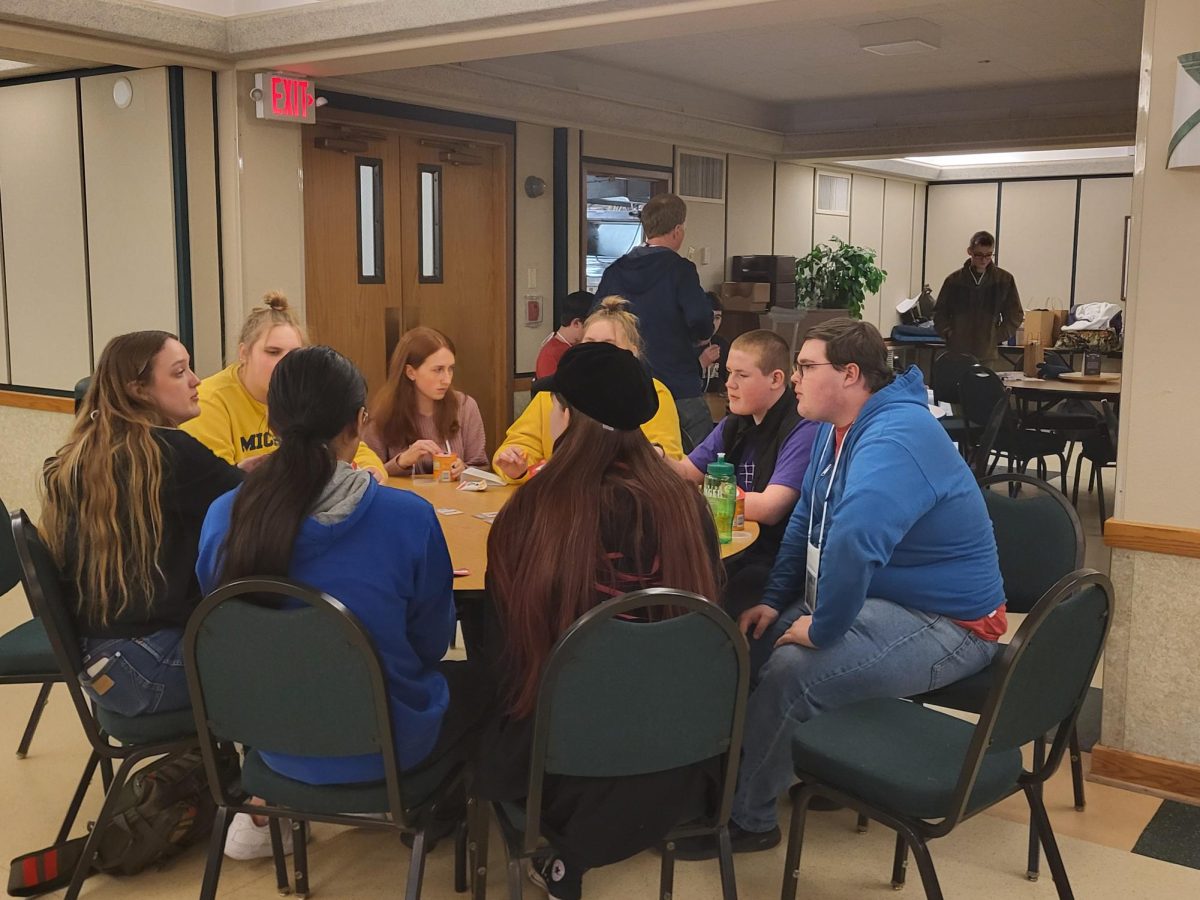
(81, 789)
(515, 885)
(35, 716)
(791, 867)
(1078, 472)
(216, 853)
(1033, 865)
(1037, 814)
(84, 867)
(1062, 472)
(1077, 771)
(460, 857)
(863, 824)
(899, 862)
(1098, 473)
(929, 879)
(416, 867)
(666, 877)
(282, 884)
(477, 847)
(300, 855)
(106, 773)
(725, 856)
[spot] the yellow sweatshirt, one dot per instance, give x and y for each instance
(531, 431)
(233, 425)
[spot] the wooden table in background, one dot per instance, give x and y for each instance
(466, 535)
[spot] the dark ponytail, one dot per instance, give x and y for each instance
(314, 395)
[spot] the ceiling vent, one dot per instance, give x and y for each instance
(902, 37)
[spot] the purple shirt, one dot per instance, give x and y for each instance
(790, 464)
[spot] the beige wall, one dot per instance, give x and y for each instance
(866, 228)
(42, 206)
(130, 206)
(750, 206)
(1037, 238)
(627, 149)
(1104, 204)
(534, 241)
(793, 209)
(896, 252)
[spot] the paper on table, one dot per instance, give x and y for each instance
(473, 472)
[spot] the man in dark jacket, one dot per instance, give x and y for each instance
(664, 292)
(978, 306)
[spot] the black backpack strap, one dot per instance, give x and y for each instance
(45, 870)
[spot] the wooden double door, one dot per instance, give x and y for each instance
(409, 224)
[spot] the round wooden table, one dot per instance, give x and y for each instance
(467, 534)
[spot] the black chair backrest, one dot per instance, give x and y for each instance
(980, 391)
(283, 668)
(1111, 423)
(81, 388)
(44, 588)
(620, 698)
(1038, 536)
(1041, 678)
(10, 565)
(948, 370)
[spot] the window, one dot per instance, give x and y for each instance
(833, 194)
(370, 220)
(615, 197)
(429, 237)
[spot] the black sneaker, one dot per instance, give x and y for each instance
(705, 846)
(556, 878)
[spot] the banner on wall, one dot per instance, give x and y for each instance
(1184, 149)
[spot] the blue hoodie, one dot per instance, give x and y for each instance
(906, 521)
(664, 292)
(388, 563)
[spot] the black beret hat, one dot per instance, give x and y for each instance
(606, 383)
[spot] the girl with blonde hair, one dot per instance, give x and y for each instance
(233, 402)
(124, 501)
(528, 443)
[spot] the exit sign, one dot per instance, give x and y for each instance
(284, 98)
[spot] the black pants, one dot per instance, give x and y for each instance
(471, 698)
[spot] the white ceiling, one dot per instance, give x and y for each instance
(984, 43)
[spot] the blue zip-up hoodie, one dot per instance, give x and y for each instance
(906, 521)
(664, 292)
(387, 562)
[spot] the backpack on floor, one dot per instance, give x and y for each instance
(163, 809)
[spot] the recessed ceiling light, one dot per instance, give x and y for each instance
(901, 37)
(7, 64)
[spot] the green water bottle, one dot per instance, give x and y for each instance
(720, 489)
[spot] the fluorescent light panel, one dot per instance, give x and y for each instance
(900, 37)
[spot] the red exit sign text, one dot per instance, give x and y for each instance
(285, 98)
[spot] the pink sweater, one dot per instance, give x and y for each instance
(468, 443)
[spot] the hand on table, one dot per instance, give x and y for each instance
(755, 621)
(456, 469)
(798, 634)
(512, 462)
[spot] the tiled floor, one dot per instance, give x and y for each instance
(984, 858)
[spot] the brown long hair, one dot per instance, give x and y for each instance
(539, 593)
(394, 409)
(102, 487)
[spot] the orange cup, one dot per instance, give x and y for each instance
(443, 464)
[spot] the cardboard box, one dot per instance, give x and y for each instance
(745, 296)
(1034, 354)
(1043, 325)
(784, 294)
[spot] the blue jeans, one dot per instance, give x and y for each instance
(138, 676)
(695, 421)
(890, 651)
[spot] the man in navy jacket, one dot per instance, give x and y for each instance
(664, 292)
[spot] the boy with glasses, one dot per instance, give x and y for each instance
(978, 306)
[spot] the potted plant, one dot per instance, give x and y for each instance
(837, 276)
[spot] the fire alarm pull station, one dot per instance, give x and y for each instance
(533, 310)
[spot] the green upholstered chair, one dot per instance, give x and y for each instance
(129, 740)
(922, 772)
(317, 689)
(623, 698)
(25, 654)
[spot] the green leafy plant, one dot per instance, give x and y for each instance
(838, 277)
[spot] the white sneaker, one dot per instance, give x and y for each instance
(245, 840)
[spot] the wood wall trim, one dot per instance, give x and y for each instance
(37, 401)
(1163, 777)
(522, 384)
(1169, 539)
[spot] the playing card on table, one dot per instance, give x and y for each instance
(448, 511)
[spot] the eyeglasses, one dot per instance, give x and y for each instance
(801, 369)
(982, 255)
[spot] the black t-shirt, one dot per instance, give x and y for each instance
(193, 477)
